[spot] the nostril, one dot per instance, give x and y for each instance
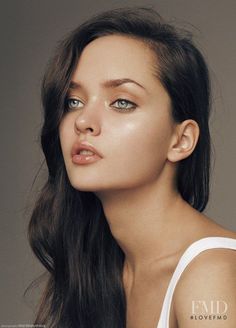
(83, 126)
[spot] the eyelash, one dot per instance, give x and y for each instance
(68, 100)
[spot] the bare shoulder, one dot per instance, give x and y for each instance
(205, 295)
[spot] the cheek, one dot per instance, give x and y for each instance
(66, 135)
(140, 145)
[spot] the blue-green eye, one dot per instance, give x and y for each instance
(72, 103)
(124, 105)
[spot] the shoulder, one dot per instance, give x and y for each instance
(205, 293)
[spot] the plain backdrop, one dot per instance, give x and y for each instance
(29, 31)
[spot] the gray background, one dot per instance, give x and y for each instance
(30, 30)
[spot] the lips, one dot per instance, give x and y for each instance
(84, 145)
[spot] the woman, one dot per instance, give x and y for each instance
(127, 145)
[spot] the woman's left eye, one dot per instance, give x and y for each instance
(124, 105)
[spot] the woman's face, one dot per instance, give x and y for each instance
(133, 135)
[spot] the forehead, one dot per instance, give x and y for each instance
(115, 56)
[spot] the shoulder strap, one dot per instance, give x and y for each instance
(192, 251)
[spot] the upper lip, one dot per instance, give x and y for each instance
(79, 145)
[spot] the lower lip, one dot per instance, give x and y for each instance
(85, 159)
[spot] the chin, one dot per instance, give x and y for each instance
(93, 182)
(84, 186)
(87, 184)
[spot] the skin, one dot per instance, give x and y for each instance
(134, 180)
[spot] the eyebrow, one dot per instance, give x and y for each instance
(108, 84)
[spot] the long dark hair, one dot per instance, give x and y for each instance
(68, 230)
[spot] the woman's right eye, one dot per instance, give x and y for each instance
(72, 103)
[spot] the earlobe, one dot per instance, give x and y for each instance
(184, 140)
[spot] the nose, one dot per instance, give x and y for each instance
(87, 122)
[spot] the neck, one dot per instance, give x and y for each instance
(144, 220)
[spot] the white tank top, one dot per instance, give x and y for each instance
(192, 251)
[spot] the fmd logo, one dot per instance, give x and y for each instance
(209, 310)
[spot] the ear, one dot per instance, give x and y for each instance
(184, 140)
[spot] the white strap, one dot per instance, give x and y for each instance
(193, 250)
